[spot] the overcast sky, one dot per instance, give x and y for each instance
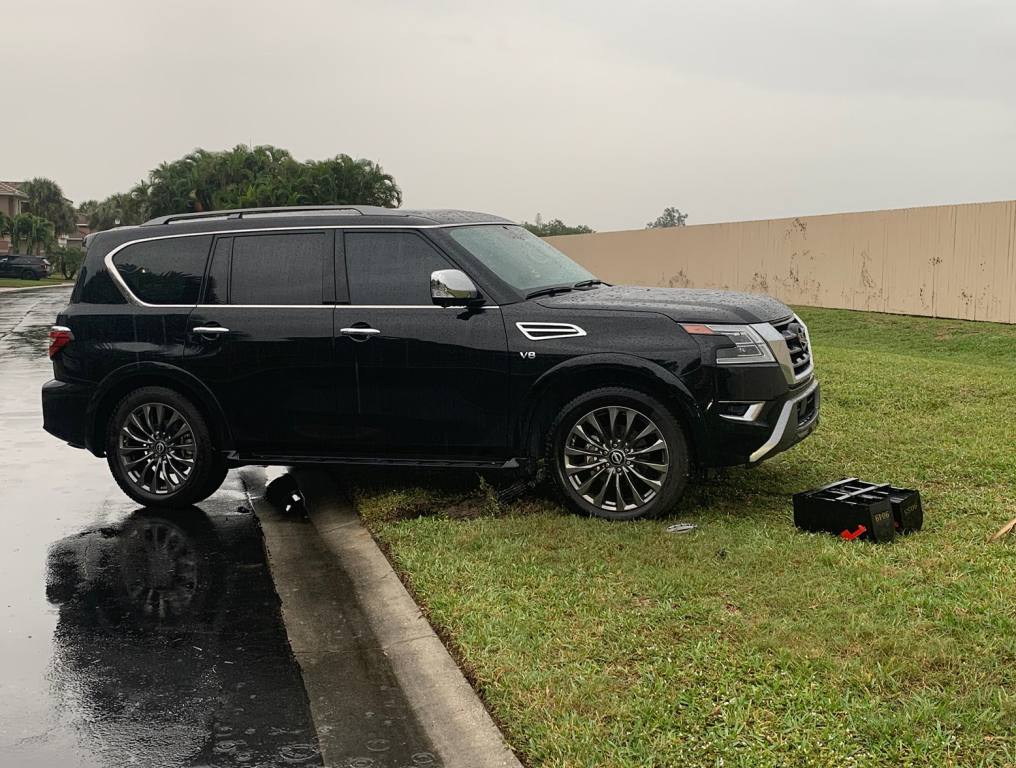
(600, 113)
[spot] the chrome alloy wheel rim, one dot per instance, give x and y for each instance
(156, 448)
(616, 458)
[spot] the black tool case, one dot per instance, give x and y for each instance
(853, 508)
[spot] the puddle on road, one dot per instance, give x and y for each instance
(170, 647)
(26, 343)
(25, 319)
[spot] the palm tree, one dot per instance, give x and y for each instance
(44, 234)
(36, 232)
(21, 231)
(46, 199)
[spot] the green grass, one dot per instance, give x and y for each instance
(14, 282)
(748, 643)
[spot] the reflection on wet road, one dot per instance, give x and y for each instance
(130, 636)
(169, 639)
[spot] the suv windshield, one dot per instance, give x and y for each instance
(519, 257)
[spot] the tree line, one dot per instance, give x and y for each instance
(202, 180)
(671, 217)
(242, 177)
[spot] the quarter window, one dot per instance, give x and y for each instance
(390, 268)
(164, 271)
(281, 269)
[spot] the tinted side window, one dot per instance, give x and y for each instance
(165, 271)
(278, 268)
(390, 267)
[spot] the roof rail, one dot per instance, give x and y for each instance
(290, 210)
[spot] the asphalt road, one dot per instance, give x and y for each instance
(131, 636)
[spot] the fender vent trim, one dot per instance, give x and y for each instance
(544, 331)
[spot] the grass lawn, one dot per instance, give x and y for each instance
(747, 643)
(14, 282)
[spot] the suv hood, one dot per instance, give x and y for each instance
(685, 305)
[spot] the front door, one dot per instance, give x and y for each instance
(262, 339)
(432, 382)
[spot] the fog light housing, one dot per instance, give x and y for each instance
(737, 411)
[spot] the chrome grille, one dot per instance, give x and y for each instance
(796, 336)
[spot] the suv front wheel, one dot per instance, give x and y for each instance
(159, 449)
(619, 454)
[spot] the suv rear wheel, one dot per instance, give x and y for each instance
(619, 454)
(27, 274)
(160, 451)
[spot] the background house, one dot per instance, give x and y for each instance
(12, 202)
(75, 239)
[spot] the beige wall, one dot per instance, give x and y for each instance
(944, 261)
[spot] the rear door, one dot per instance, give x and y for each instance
(432, 382)
(164, 275)
(262, 340)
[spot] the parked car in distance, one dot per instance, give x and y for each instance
(24, 267)
(362, 335)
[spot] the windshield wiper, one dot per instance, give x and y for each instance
(550, 290)
(589, 283)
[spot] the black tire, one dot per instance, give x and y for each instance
(623, 470)
(188, 471)
(215, 476)
(28, 275)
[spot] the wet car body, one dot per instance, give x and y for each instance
(354, 372)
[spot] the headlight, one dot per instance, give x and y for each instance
(749, 346)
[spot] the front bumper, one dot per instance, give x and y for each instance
(778, 419)
(797, 419)
(64, 410)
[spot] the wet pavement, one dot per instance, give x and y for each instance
(132, 636)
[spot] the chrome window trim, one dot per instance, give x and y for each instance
(305, 306)
(781, 425)
(316, 306)
(129, 294)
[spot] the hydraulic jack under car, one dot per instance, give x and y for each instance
(853, 509)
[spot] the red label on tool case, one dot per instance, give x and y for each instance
(851, 535)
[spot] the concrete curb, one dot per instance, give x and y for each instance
(442, 699)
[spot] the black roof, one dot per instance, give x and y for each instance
(369, 215)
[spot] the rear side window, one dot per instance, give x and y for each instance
(280, 269)
(390, 267)
(165, 271)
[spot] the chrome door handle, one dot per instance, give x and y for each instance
(210, 330)
(359, 331)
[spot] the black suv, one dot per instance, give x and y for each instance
(362, 335)
(25, 267)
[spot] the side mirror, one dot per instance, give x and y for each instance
(453, 288)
